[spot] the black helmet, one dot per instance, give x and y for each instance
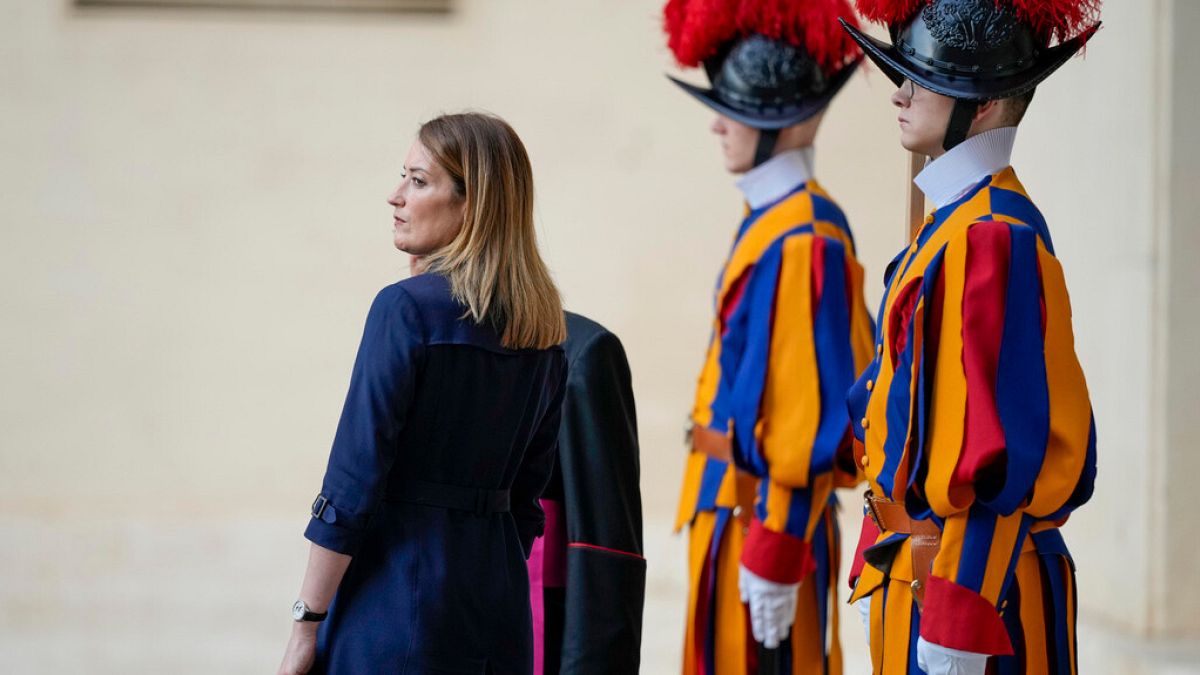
(767, 83)
(771, 63)
(974, 50)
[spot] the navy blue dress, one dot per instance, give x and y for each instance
(446, 441)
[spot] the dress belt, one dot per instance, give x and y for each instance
(477, 501)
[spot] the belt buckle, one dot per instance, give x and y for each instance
(319, 505)
(868, 498)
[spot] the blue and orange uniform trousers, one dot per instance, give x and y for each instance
(790, 334)
(975, 416)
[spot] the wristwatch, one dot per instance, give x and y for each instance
(300, 612)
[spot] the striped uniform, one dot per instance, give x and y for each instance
(975, 413)
(791, 333)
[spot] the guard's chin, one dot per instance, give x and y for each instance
(911, 145)
(736, 166)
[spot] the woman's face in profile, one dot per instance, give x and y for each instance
(427, 213)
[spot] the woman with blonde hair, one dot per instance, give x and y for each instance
(429, 504)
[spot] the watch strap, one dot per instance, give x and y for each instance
(314, 616)
(304, 614)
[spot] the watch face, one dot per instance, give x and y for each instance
(298, 610)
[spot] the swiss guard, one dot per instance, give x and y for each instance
(977, 430)
(769, 432)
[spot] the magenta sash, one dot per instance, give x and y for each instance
(547, 569)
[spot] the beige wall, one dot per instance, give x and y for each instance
(1179, 366)
(194, 225)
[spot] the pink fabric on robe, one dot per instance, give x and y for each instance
(547, 569)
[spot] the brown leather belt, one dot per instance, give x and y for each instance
(712, 443)
(720, 447)
(924, 536)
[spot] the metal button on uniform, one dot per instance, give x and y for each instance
(879, 350)
(866, 423)
(865, 461)
(870, 385)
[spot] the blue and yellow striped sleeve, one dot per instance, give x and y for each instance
(1006, 425)
(803, 335)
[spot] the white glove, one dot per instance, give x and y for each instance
(935, 659)
(772, 606)
(864, 612)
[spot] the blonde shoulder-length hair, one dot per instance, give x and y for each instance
(493, 263)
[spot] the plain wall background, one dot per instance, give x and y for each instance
(194, 225)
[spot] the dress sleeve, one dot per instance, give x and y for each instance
(364, 447)
(790, 426)
(1010, 439)
(598, 456)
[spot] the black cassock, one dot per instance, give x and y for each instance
(589, 565)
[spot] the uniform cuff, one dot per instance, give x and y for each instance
(956, 617)
(777, 556)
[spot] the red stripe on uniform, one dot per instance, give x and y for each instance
(734, 297)
(818, 271)
(983, 305)
(576, 544)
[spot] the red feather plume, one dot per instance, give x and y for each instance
(811, 24)
(1058, 20)
(889, 11)
(697, 29)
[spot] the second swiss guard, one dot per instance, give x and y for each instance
(977, 430)
(769, 431)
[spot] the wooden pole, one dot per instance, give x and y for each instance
(915, 213)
